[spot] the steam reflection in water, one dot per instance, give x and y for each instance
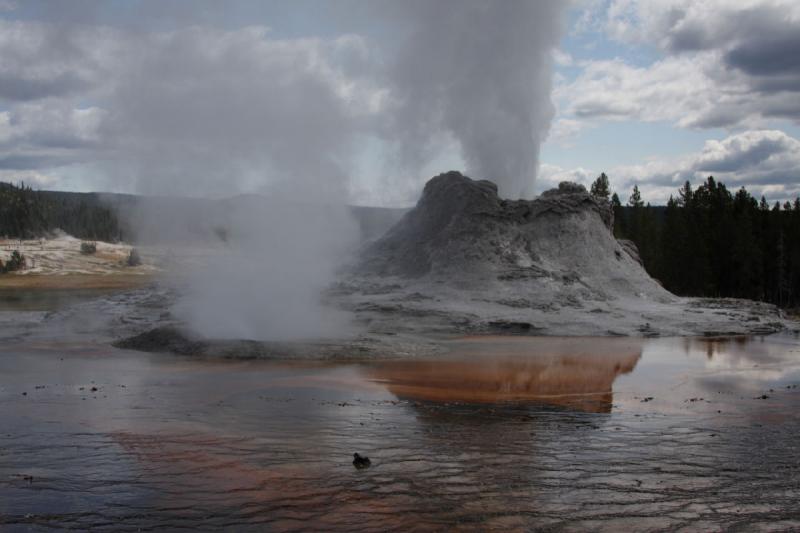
(502, 433)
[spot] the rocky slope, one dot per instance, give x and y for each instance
(465, 260)
(460, 229)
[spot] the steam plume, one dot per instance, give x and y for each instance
(480, 70)
(202, 111)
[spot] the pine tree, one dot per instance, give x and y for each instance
(635, 199)
(746, 256)
(620, 226)
(685, 195)
(600, 187)
(649, 244)
(635, 221)
(673, 248)
(710, 242)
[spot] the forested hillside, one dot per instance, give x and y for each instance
(711, 242)
(26, 213)
(110, 217)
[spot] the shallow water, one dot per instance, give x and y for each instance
(504, 433)
(16, 299)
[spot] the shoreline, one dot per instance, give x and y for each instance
(137, 317)
(73, 281)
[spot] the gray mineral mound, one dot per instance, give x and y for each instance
(462, 231)
(465, 260)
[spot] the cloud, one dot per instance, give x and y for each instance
(724, 64)
(763, 161)
(759, 150)
(758, 38)
(44, 60)
(685, 25)
(562, 58)
(35, 179)
(673, 89)
(688, 91)
(43, 135)
(565, 130)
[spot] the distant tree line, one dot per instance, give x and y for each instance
(704, 242)
(711, 242)
(26, 214)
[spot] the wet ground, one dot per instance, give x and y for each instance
(504, 433)
(24, 299)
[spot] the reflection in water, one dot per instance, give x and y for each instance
(737, 352)
(13, 299)
(573, 373)
(721, 345)
(168, 443)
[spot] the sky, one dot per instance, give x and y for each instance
(217, 99)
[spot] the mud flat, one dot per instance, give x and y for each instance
(519, 433)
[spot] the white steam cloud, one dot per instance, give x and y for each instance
(480, 70)
(209, 112)
(192, 109)
(267, 283)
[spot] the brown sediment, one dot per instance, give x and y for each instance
(112, 257)
(284, 495)
(253, 445)
(74, 281)
(577, 374)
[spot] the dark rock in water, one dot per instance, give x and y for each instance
(186, 342)
(503, 326)
(360, 461)
(165, 339)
